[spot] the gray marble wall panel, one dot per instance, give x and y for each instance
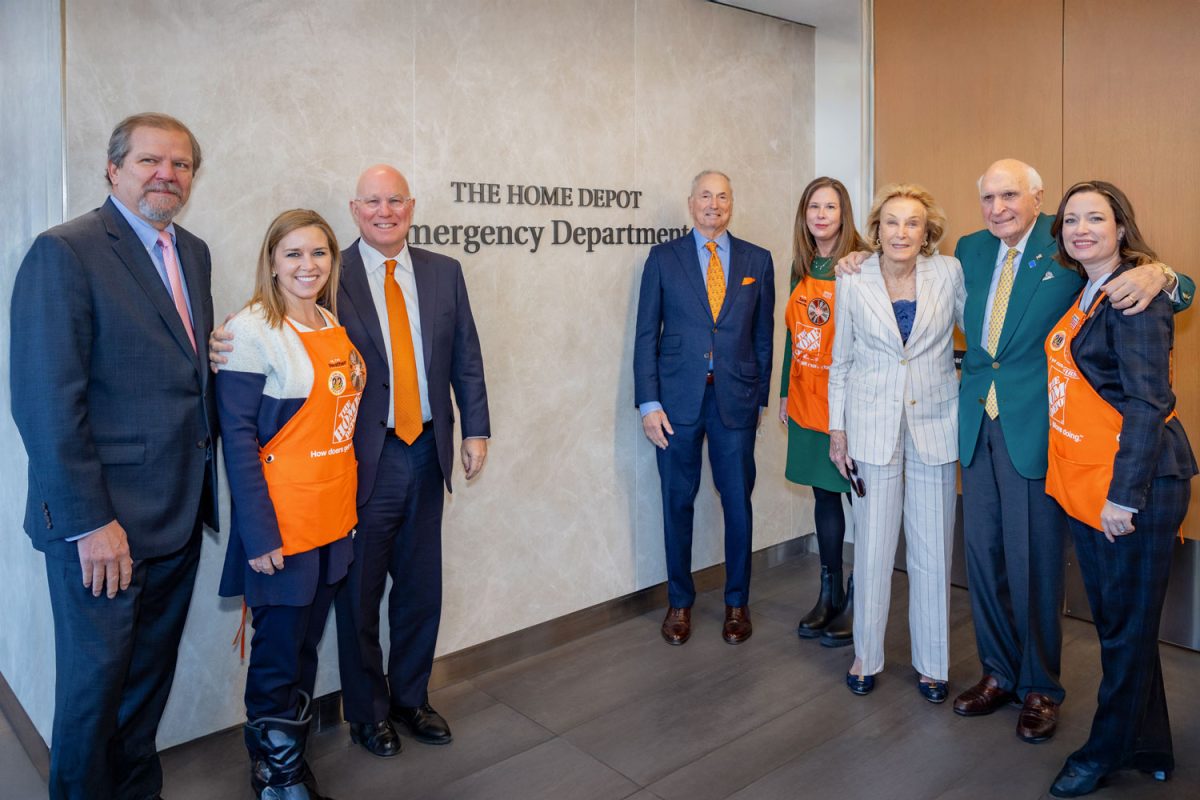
(290, 100)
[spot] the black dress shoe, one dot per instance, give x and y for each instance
(425, 724)
(934, 692)
(1076, 780)
(379, 738)
(860, 685)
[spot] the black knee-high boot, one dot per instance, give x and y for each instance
(278, 770)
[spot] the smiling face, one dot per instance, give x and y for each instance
(1009, 205)
(383, 209)
(1090, 232)
(902, 229)
(823, 216)
(155, 177)
(711, 205)
(302, 262)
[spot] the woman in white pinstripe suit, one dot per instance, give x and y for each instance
(893, 396)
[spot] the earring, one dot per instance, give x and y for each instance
(273, 275)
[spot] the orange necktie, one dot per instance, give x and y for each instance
(716, 281)
(405, 394)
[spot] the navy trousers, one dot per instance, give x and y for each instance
(731, 453)
(1014, 533)
(115, 661)
(283, 651)
(399, 534)
(1126, 584)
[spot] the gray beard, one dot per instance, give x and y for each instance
(158, 213)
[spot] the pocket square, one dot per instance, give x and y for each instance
(1048, 276)
(747, 281)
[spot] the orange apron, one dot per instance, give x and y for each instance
(309, 464)
(809, 319)
(1085, 431)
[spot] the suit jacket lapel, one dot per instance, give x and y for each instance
(426, 278)
(928, 286)
(977, 275)
(689, 264)
(875, 296)
(353, 286)
(135, 258)
(1026, 278)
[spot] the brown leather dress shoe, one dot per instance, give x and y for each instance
(677, 627)
(737, 624)
(982, 698)
(1039, 718)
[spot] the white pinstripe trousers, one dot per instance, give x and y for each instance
(924, 495)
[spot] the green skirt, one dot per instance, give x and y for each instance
(808, 460)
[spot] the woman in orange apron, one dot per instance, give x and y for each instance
(824, 232)
(288, 401)
(1120, 466)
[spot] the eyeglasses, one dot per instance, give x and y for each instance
(396, 204)
(856, 482)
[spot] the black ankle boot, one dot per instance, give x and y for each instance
(840, 630)
(828, 605)
(276, 745)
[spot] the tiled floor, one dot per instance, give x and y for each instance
(619, 714)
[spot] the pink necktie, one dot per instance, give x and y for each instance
(172, 265)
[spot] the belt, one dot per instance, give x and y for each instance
(708, 379)
(426, 428)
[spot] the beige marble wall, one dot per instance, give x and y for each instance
(290, 100)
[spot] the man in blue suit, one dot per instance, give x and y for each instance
(701, 366)
(115, 409)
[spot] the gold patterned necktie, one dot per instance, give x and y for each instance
(996, 323)
(716, 281)
(406, 395)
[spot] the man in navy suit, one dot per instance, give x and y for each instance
(115, 409)
(701, 368)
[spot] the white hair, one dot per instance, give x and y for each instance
(1031, 177)
(704, 174)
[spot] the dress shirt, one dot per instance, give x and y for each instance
(148, 235)
(373, 262)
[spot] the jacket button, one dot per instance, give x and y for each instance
(385, 384)
(904, 362)
(708, 356)
(995, 365)
(714, 330)
(912, 402)
(982, 402)
(383, 423)
(203, 443)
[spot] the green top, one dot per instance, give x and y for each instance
(808, 451)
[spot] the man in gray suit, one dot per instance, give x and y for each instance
(114, 406)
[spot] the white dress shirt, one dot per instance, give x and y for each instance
(373, 262)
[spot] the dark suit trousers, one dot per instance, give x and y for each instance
(1126, 583)
(731, 453)
(115, 661)
(283, 652)
(399, 534)
(1014, 535)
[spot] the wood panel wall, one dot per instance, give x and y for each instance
(1078, 88)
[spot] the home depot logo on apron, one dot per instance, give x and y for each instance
(309, 464)
(809, 318)
(1085, 431)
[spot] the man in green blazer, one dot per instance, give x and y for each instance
(1013, 531)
